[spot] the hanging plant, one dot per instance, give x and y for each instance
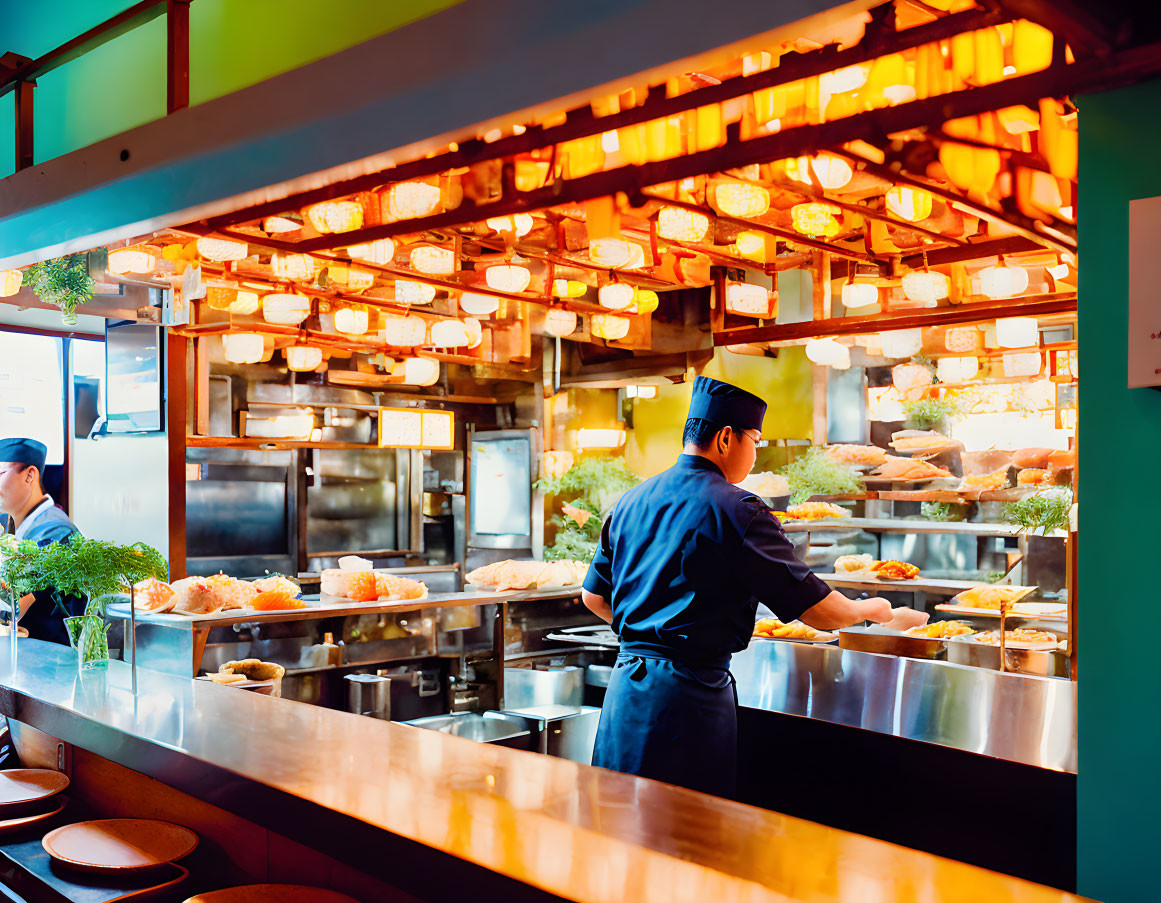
(64, 282)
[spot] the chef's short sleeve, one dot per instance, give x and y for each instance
(599, 579)
(770, 572)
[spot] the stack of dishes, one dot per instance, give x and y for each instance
(29, 796)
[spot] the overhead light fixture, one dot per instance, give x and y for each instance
(961, 338)
(911, 204)
(615, 295)
(748, 299)
(642, 392)
(751, 244)
(285, 309)
(352, 320)
(898, 343)
(679, 224)
(335, 216)
(277, 225)
(859, 294)
(404, 332)
(849, 78)
(926, 286)
(828, 353)
(409, 428)
(303, 358)
(1017, 332)
(816, 219)
(292, 266)
(243, 347)
(130, 260)
(596, 438)
(568, 288)
(831, 172)
(449, 334)
(222, 249)
(645, 300)
(351, 278)
(1021, 363)
(479, 305)
(420, 371)
(507, 278)
(408, 200)
(381, 251)
(519, 224)
(609, 327)
(1003, 281)
(741, 199)
(636, 257)
(609, 252)
(954, 370)
(408, 292)
(475, 332)
(559, 322)
(1060, 271)
(10, 282)
(433, 261)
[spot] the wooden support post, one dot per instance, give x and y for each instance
(23, 92)
(176, 417)
(177, 54)
(201, 387)
(820, 294)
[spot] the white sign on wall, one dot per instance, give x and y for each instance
(1144, 293)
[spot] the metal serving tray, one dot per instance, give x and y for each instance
(891, 642)
(1042, 662)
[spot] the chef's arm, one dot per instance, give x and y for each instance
(836, 610)
(597, 605)
(25, 603)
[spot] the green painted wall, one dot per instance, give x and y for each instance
(233, 43)
(1119, 781)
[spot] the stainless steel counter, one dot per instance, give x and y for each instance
(1017, 717)
(427, 811)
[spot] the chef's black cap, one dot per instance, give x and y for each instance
(724, 405)
(23, 451)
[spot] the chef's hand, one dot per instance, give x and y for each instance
(876, 609)
(906, 618)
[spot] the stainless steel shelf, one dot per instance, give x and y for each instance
(898, 525)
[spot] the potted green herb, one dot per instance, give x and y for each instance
(587, 492)
(814, 472)
(64, 282)
(87, 568)
(930, 414)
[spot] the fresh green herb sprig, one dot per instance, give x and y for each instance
(62, 281)
(936, 510)
(1045, 511)
(588, 485)
(924, 413)
(815, 473)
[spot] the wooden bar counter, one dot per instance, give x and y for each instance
(442, 818)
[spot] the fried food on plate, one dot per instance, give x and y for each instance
(982, 482)
(233, 592)
(870, 455)
(1029, 637)
(812, 511)
(941, 630)
(986, 595)
(152, 595)
(922, 441)
(196, 596)
(895, 570)
(774, 629)
(909, 469)
(253, 669)
(852, 564)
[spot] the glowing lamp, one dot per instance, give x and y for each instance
(926, 286)
(609, 327)
(129, 260)
(433, 261)
(243, 347)
(859, 294)
(10, 282)
(352, 320)
(1003, 281)
(615, 295)
(1022, 363)
(590, 438)
(292, 266)
(335, 216)
(404, 332)
(285, 309)
(828, 353)
(832, 172)
(380, 251)
(407, 200)
(849, 78)
(751, 244)
(351, 278)
(420, 371)
(220, 297)
(961, 338)
(221, 249)
(911, 204)
(1017, 332)
(408, 292)
(478, 305)
(747, 299)
(645, 392)
(679, 224)
(383, 362)
(449, 334)
(645, 301)
(957, 369)
(507, 278)
(303, 358)
(520, 224)
(559, 322)
(816, 219)
(276, 225)
(244, 303)
(901, 342)
(475, 332)
(568, 288)
(636, 257)
(741, 199)
(609, 252)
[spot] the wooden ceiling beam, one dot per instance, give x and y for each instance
(1013, 244)
(1080, 25)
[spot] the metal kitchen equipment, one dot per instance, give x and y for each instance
(369, 694)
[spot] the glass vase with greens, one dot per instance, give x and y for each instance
(587, 492)
(90, 569)
(64, 282)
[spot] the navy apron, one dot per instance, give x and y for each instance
(670, 722)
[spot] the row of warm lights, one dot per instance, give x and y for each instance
(250, 348)
(928, 287)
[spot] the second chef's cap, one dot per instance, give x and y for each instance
(23, 451)
(724, 405)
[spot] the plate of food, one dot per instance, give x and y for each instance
(866, 567)
(987, 597)
(509, 574)
(921, 443)
(940, 630)
(356, 580)
(795, 631)
(1018, 638)
(857, 456)
(813, 511)
(193, 596)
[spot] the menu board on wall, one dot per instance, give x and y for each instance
(1144, 351)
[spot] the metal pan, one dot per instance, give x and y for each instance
(1042, 662)
(891, 642)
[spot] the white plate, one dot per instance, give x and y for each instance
(821, 640)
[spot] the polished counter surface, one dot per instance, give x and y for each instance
(390, 796)
(1018, 717)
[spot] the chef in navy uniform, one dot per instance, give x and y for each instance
(684, 560)
(33, 515)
